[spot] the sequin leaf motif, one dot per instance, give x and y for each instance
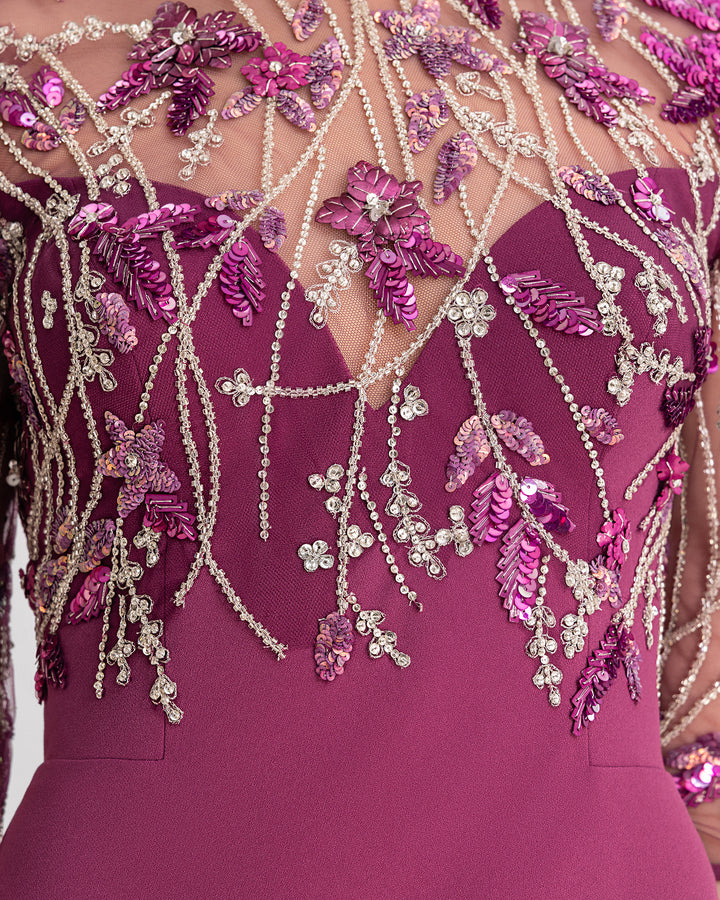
(488, 11)
(601, 425)
(165, 513)
(679, 400)
(694, 61)
(697, 765)
(491, 509)
(701, 13)
(614, 539)
(617, 650)
(393, 236)
(562, 49)
(307, 18)
(174, 54)
(545, 503)
(90, 599)
(21, 383)
(50, 666)
(271, 224)
(333, 645)
(589, 185)
(112, 315)
(437, 46)
(611, 15)
(517, 433)
(551, 304)
(456, 159)
(47, 87)
(428, 111)
(518, 571)
(472, 448)
(135, 457)
(124, 251)
(326, 68)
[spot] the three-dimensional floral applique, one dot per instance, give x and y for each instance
(124, 251)
(393, 237)
(279, 73)
(562, 49)
(135, 458)
(173, 56)
(649, 200)
(618, 650)
(47, 87)
(437, 46)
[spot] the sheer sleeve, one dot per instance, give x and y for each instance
(689, 657)
(9, 480)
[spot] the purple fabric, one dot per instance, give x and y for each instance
(451, 778)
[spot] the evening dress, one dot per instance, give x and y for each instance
(357, 358)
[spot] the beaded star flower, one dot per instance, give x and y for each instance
(136, 458)
(393, 236)
(280, 72)
(437, 46)
(174, 54)
(562, 49)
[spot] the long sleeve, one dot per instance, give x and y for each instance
(689, 661)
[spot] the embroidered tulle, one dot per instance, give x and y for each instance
(389, 221)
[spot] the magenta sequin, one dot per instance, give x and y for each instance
(601, 425)
(124, 251)
(545, 503)
(610, 15)
(277, 69)
(490, 510)
(21, 384)
(702, 15)
(614, 539)
(428, 111)
(562, 49)
(472, 448)
(90, 599)
(174, 55)
(649, 200)
(456, 159)
(488, 11)
(393, 236)
(307, 18)
(333, 645)
(607, 583)
(670, 472)
(518, 571)
(50, 666)
(135, 457)
(114, 321)
(617, 649)
(517, 433)
(698, 769)
(437, 46)
(677, 403)
(695, 61)
(551, 303)
(165, 513)
(589, 185)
